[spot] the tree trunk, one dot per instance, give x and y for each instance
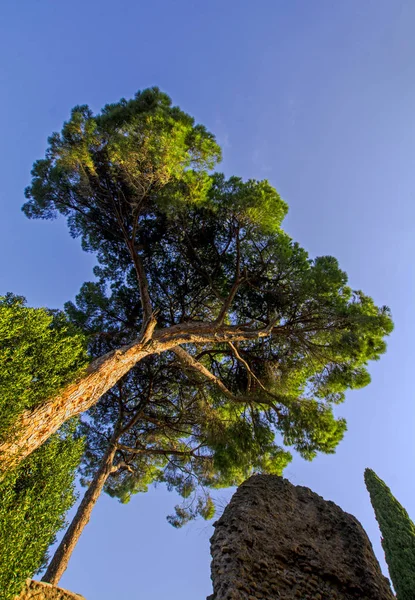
(59, 562)
(35, 426)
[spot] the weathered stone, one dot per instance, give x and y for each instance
(280, 541)
(38, 590)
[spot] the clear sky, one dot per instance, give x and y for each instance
(315, 95)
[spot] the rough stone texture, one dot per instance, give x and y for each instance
(280, 541)
(37, 590)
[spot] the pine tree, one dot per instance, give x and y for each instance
(398, 535)
(207, 271)
(192, 421)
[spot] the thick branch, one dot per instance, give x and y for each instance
(249, 372)
(142, 284)
(251, 375)
(188, 360)
(35, 426)
(238, 280)
(122, 466)
(157, 451)
(228, 302)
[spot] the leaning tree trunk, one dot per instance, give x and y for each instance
(59, 562)
(35, 426)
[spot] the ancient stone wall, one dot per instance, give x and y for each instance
(280, 541)
(37, 590)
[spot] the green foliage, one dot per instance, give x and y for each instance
(34, 500)
(251, 203)
(40, 351)
(135, 184)
(398, 535)
(171, 428)
(201, 506)
(309, 426)
(243, 445)
(144, 150)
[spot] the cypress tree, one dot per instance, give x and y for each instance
(35, 497)
(40, 351)
(398, 535)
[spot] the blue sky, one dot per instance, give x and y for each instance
(318, 97)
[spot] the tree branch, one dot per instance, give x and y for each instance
(35, 426)
(122, 465)
(158, 451)
(251, 375)
(228, 302)
(142, 284)
(238, 281)
(188, 360)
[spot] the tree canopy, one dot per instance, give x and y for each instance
(170, 425)
(197, 265)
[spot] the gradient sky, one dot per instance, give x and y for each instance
(315, 95)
